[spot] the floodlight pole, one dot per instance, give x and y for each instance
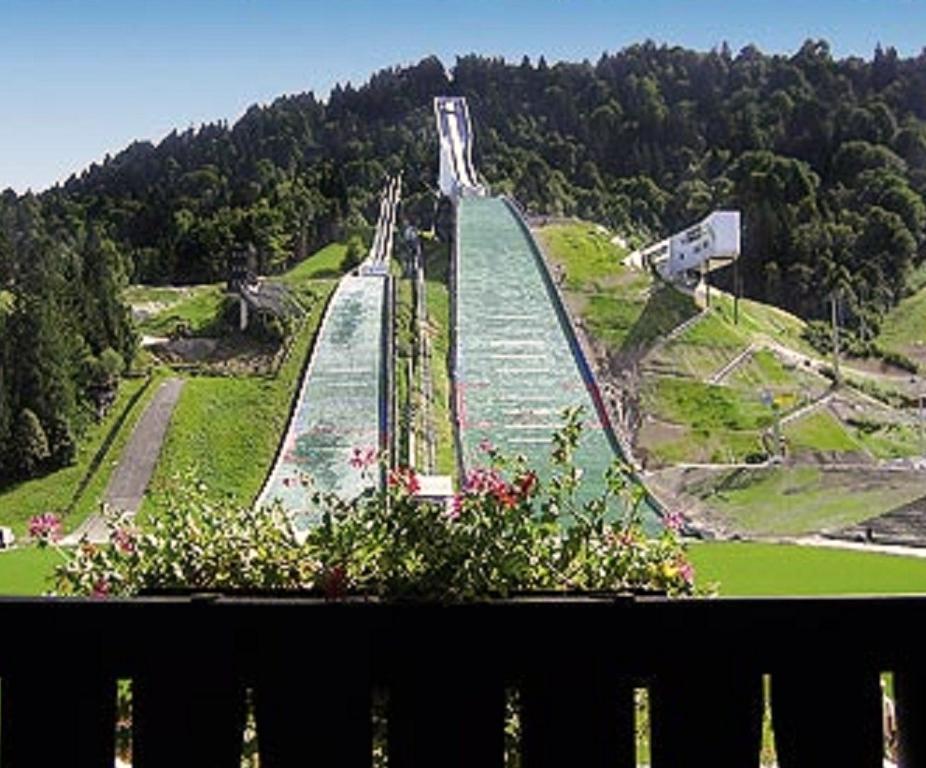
(920, 392)
(736, 291)
(705, 276)
(834, 300)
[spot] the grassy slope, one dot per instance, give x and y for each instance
(321, 265)
(820, 431)
(58, 491)
(626, 312)
(197, 307)
(437, 266)
(904, 327)
(800, 500)
(226, 431)
(404, 355)
(620, 307)
(745, 569)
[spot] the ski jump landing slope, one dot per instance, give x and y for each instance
(339, 403)
(342, 398)
(517, 362)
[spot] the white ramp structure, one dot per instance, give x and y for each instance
(708, 245)
(377, 261)
(457, 176)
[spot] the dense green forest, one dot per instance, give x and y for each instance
(65, 335)
(825, 157)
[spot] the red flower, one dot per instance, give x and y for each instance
(362, 458)
(333, 582)
(527, 484)
(405, 479)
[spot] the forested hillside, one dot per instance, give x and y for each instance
(826, 158)
(65, 336)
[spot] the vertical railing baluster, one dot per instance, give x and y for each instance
(577, 716)
(826, 716)
(440, 717)
(189, 716)
(706, 717)
(188, 705)
(910, 697)
(313, 689)
(60, 719)
(314, 716)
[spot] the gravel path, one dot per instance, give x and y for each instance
(130, 479)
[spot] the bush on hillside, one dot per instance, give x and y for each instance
(30, 444)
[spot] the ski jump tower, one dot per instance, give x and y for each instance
(457, 176)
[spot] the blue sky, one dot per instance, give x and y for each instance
(79, 78)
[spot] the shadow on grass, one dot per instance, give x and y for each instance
(665, 309)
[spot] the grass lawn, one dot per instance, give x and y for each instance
(748, 568)
(764, 370)
(904, 327)
(405, 382)
(801, 500)
(585, 252)
(624, 309)
(706, 406)
(820, 430)
(225, 431)
(888, 441)
(437, 267)
(199, 309)
(78, 488)
(27, 570)
(325, 263)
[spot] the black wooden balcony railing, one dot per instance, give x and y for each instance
(312, 666)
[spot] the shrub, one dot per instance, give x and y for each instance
(506, 531)
(61, 443)
(899, 360)
(30, 444)
(354, 254)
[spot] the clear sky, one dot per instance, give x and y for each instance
(79, 78)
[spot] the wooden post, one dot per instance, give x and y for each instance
(827, 717)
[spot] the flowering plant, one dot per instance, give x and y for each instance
(508, 529)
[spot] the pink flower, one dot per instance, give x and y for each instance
(687, 572)
(363, 458)
(673, 521)
(486, 446)
(124, 540)
(100, 588)
(482, 481)
(405, 479)
(456, 507)
(45, 527)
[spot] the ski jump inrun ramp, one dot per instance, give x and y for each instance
(517, 363)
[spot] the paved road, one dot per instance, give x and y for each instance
(130, 479)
